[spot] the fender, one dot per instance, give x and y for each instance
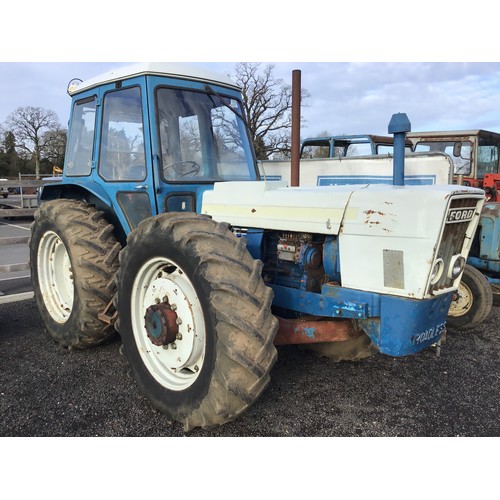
(92, 193)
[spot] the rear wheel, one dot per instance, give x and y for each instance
(472, 302)
(73, 258)
(195, 319)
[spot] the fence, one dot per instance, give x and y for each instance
(28, 205)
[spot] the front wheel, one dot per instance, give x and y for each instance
(472, 302)
(195, 319)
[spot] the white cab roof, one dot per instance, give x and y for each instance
(173, 70)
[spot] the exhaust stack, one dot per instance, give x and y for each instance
(398, 126)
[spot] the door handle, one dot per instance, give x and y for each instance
(141, 187)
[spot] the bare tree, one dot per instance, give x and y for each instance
(268, 107)
(31, 127)
(55, 141)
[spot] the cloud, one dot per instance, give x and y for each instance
(361, 97)
(345, 98)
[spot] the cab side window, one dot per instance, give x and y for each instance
(81, 138)
(122, 154)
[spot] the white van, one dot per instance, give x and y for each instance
(3, 190)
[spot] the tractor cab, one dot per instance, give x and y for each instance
(145, 140)
(475, 155)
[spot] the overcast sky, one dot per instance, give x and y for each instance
(354, 94)
(345, 98)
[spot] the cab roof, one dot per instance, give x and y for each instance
(451, 133)
(172, 70)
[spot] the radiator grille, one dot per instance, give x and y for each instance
(453, 239)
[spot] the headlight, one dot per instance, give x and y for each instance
(457, 265)
(437, 271)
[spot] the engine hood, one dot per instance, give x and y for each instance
(324, 209)
(273, 205)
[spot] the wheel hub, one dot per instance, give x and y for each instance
(161, 324)
(462, 301)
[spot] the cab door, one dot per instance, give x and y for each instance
(124, 161)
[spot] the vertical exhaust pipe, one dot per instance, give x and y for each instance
(398, 126)
(295, 146)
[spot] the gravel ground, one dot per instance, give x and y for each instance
(46, 390)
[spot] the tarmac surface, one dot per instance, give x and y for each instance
(47, 390)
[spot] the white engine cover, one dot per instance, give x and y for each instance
(374, 224)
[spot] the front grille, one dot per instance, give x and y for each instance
(453, 239)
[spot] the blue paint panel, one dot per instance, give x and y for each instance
(331, 258)
(340, 180)
(341, 303)
(485, 265)
(254, 242)
(407, 326)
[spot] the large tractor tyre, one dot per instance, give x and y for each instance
(473, 301)
(355, 349)
(195, 319)
(73, 258)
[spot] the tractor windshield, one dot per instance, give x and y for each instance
(202, 138)
(458, 151)
(487, 156)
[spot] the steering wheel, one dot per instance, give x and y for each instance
(183, 168)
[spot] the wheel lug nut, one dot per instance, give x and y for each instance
(173, 346)
(179, 336)
(173, 307)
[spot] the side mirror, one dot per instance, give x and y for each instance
(457, 149)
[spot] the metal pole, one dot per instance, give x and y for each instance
(295, 146)
(398, 126)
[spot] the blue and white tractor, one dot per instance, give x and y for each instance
(162, 228)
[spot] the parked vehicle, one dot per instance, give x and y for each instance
(420, 169)
(162, 227)
(475, 154)
(4, 190)
(341, 146)
(476, 159)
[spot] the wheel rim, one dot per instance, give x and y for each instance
(177, 363)
(55, 276)
(462, 304)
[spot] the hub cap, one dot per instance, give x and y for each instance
(168, 323)
(462, 301)
(55, 276)
(161, 324)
